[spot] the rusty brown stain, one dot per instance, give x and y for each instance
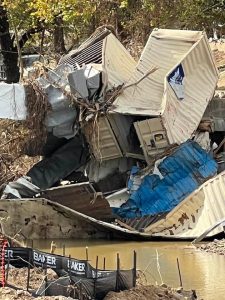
(183, 217)
(171, 232)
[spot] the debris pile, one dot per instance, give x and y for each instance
(18, 277)
(152, 292)
(217, 246)
(12, 294)
(137, 146)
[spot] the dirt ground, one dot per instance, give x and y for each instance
(140, 293)
(151, 293)
(11, 294)
(18, 278)
(217, 246)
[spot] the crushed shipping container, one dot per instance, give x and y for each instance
(180, 88)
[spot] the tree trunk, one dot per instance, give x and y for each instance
(59, 44)
(9, 52)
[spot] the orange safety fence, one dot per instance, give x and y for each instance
(3, 245)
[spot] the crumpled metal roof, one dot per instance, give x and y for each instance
(164, 49)
(198, 212)
(91, 54)
(105, 50)
(181, 118)
(90, 51)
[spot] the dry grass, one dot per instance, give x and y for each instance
(18, 136)
(13, 162)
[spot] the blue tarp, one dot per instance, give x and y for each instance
(183, 172)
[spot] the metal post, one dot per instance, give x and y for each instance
(96, 276)
(70, 267)
(117, 272)
(178, 266)
(28, 272)
(45, 274)
(80, 292)
(104, 261)
(135, 269)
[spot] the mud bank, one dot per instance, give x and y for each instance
(217, 246)
(140, 292)
(11, 294)
(152, 293)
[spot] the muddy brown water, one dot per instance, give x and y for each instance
(201, 271)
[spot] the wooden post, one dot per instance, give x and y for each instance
(135, 269)
(178, 266)
(96, 262)
(86, 253)
(64, 250)
(7, 270)
(28, 272)
(53, 247)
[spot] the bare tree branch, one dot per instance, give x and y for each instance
(28, 34)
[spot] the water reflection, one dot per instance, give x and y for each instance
(201, 271)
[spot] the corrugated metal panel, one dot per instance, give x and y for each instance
(90, 51)
(164, 49)
(107, 50)
(102, 140)
(198, 212)
(80, 197)
(117, 61)
(91, 54)
(181, 117)
(182, 172)
(141, 223)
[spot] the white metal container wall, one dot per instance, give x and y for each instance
(181, 117)
(195, 214)
(117, 61)
(164, 49)
(103, 141)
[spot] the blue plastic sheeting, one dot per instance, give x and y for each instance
(183, 172)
